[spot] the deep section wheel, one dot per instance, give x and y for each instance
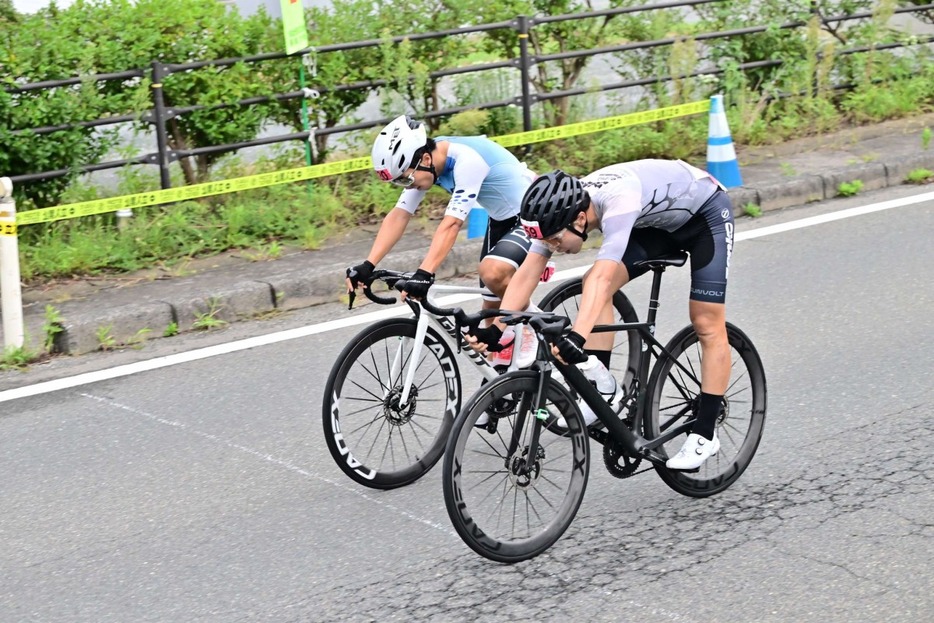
(378, 435)
(673, 400)
(512, 493)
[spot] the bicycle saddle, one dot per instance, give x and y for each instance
(677, 258)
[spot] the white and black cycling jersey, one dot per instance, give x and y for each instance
(661, 194)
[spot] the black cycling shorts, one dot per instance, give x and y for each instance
(505, 241)
(707, 237)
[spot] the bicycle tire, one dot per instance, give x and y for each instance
(627, 345)
(384, 445)
(739, 427)
(488, 498)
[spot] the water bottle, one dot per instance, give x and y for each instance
(503, 358)
(600, 377)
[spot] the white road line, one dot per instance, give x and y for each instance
(368, 318)
(283, 463)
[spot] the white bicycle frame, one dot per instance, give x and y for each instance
(447, 326)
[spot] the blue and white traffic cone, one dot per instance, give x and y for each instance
(721, 155)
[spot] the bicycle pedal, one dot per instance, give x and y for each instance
(684, 471)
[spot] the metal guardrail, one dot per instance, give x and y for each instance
(299, 174)
(160, 114)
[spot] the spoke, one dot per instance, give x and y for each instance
(425, 357)
(499, 504)
(673, 418)
(556, 459)
(550, 482)
(682, 382)
(485, 439)
(376, 439)
(366, 424)
(389, 447)
(375, 371)
(344, 414)
(388, 362)
(365, 390)
(515, 508)
(738, 402)
(424, 416)
(727, 430)
(422, 388)
(405, 446)
(738, 379)
(492, 455)
(415, 426)
(405, 359)
(728, 423)
(544, 499)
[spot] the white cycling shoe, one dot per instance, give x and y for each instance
(694, 452)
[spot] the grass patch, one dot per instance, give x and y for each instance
(848, 189)
(920, 176)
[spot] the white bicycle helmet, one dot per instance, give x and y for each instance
(397, 146)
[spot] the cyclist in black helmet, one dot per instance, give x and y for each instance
(645, 209)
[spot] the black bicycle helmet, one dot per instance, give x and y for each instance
(552, 203)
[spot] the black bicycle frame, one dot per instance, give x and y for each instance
(631, 439)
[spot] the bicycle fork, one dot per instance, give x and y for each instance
(523, 466)
(399, 360)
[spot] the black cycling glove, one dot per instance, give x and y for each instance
(417, 285)
(571, 348)
(490, 336)
(360, 272)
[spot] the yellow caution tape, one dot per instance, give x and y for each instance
(208, 189)
(599, 125)
(185, 193)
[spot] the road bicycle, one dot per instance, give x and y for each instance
(395, 389)
(513, 488)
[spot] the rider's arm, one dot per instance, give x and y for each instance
(597, 292)
(519, 291)
(469, 172)
(390, 232)
(524, 282)
(441, 243)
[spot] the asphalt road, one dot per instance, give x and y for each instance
(203, 491)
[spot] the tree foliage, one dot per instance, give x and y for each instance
(106, 36)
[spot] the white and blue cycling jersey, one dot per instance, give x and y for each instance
(477, 172)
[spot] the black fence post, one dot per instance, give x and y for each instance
(815, 79)
(159, 116)
(525, 65)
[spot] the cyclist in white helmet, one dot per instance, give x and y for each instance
(477, 172)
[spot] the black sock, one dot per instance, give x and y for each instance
(603, 356)
(708, 410)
